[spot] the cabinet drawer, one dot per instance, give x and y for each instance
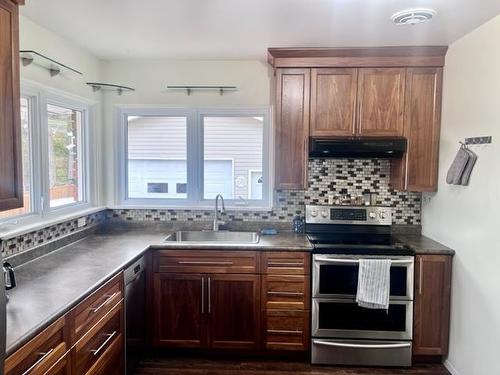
(205, 261)
(97, 305)
(287, 292)
(110, 363)
(287, 330)
(40, 354)
(286, 263)
(101, 337)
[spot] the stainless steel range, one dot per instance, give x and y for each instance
(342, 332)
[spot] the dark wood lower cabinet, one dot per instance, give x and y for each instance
(432, 305)
(233, 311)
(179, 307)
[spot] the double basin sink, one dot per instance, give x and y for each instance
(214, 236)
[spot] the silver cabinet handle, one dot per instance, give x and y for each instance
(285, 294)
(285, 264)
(420, 271)
(209, 295)
(96, 352)
(40, 360)
(205, 263)
(362, 346)
(202, 295)
(96, 309)
(283, 331)
(356, 261)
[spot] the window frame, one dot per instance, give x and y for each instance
(40, 96)
(194, 157)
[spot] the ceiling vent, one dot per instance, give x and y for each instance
(413, 16)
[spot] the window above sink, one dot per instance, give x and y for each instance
(183, 158)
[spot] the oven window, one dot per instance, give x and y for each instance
(343, 280)
(349, 316)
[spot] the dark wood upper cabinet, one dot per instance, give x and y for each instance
(178, 310)
(432, 305)
(381, 101)
(234, 311)
(418, 171)
(292, 127)
(333, 101)
(11, 186)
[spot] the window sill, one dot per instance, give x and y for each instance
(193, 208)
(35, 222)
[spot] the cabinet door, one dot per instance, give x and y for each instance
(422, 126)
(178, 310)
(233, 310)
(381, 101)
(432, 305)
(11, 189)
(292, 128)
(333, 101)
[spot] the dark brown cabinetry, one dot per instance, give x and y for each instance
(211, 300)
(233, 311)
(370, 92)
(286, 300)
(333, 101)
(179, 310)
(11, 189)
(380, 101)
(418, 170)
(432, 305)
(292, 127)
(88, 340)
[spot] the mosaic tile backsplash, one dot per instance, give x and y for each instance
(52, 233)
(326, 177)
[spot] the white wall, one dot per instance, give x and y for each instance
(150, 78)
(466, 218)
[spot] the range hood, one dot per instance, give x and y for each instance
(357, 147)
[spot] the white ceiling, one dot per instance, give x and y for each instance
(244, 29)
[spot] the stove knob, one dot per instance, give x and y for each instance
(324, 213)
(382, 215)
(314, 212)
(372, 215)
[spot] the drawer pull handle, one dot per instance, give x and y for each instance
(286, 332)
(206, 263)
(43, 356)
(285, 294)
(285, 264)
(96, 309)
(362, 346)
(96, 352)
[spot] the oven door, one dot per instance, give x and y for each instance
(343, 318)
(336, 276)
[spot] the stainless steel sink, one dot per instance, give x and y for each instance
(212, 236)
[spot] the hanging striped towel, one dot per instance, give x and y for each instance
(374, 281)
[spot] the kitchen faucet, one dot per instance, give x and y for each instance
(217, 222)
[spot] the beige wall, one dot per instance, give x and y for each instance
(467, 218)
(34, 37)
(150, 78)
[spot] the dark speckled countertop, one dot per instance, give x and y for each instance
(49, 286)
(424, 245)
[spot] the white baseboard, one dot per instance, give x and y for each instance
(451, 368)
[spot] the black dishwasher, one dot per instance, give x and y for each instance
(135, 313)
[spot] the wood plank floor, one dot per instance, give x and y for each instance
(205, 366)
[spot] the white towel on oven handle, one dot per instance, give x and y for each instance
(374, 282)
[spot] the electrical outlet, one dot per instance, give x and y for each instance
(82, 221)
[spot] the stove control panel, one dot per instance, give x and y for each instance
(357, 215)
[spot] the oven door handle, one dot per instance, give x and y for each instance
(356, 261)
(362, 346)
